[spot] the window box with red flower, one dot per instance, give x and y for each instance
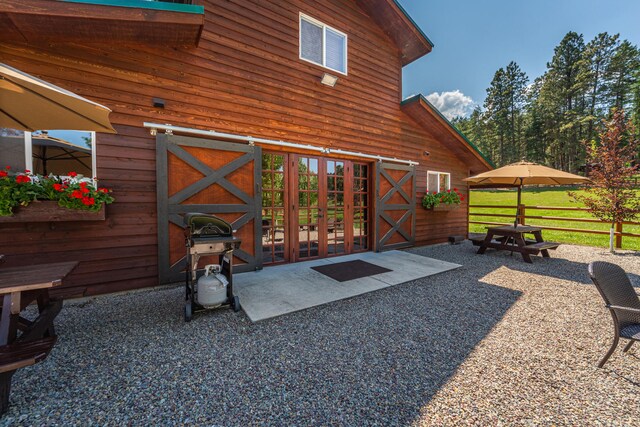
(25, 197)
(442, 201)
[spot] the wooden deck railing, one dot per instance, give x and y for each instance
(524, 219)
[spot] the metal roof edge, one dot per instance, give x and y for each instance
(145, 4)
(421, 97)
(404, 12)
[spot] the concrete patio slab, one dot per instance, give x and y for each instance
(283, 289)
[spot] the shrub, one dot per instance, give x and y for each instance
(449, 197)
(72, 191)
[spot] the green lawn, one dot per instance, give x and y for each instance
(552, 196)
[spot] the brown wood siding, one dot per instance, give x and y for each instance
(246, 78)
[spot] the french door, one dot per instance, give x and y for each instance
(313, 207)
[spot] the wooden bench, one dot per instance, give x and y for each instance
(25, 353)
(477, 238)
(541, 246)
(20, 354)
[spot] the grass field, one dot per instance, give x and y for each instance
(552, 196)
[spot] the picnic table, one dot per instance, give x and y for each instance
(513, 239)
(19, 287)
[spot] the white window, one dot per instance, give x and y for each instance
(438, 181)
(323, 45)
(56, 152)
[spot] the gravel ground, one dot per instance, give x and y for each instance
(496, 342)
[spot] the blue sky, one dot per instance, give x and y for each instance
(473, 38)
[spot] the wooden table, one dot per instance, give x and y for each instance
(510, 238)
(19, 287)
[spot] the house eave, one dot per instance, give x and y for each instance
(426, 115)
(99, 21)
(398, 25)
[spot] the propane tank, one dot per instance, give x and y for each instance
(212, 287)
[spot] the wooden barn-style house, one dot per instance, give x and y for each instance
(285, 118)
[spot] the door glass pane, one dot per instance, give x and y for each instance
(273, 208)
(360, 208)
(313, 166)
(308, 207)
(335, 208)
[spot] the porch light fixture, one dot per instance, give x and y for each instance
(329, 80)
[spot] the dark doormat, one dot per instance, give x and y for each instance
(350, 270)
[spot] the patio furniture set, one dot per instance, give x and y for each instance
(510, 238)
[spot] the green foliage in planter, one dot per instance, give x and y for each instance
(449, 197)
(72, 191)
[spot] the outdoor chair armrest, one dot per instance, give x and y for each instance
(617, 307)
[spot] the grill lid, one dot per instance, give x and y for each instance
(204, 225)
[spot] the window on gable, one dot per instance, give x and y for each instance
(323, 45)
(438, 181)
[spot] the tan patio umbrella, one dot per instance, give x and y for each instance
(28, 103)
(525, 173)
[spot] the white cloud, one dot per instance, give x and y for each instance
(452, 104)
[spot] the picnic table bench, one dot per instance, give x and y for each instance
(512, 239)
(19, 287)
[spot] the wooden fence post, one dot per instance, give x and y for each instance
(523, 215)
(619, 236)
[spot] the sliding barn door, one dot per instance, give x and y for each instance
(395, 206)
(207, 176)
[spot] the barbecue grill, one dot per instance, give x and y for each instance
(209, 236)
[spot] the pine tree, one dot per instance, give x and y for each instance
(622, 74)
(536, 117)
(504, 108)
(516, 81)
(598, 55)
(563, 92)
(498, 115)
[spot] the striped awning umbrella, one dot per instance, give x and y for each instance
(30, 104)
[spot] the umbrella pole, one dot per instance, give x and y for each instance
(515, 223)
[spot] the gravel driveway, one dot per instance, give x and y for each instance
(496, 342)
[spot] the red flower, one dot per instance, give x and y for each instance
(435, 192)
(8, 168)
(88, 201)
(448, 191)
(27, 171)
(72, 174)
(103, 190)
(22, 179)
(462, 198)
(3, 174)
(76, 194)
(455, 189)
(58, 187)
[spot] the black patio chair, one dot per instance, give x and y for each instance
(622, 301)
